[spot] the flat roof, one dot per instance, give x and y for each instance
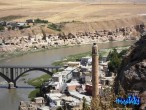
(39, 98)
(73, 83)
(54, 96)
(79, 95)
(70, 98)
(61, 73)
(87, 57)
(69, 68)
(107, 78)
(44, 108)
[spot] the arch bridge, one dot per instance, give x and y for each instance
(12, 73)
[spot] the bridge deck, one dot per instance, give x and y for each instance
(19, 66)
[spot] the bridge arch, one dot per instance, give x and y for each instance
(33, 69)
(5, 77)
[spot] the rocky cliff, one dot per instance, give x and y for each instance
(133, 69)
(132, 74)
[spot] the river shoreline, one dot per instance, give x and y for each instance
(5, 55)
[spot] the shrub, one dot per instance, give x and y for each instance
(1, 28)
(40, 21)
(33, 94)
(54, 27)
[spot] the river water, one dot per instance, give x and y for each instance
(9, 99)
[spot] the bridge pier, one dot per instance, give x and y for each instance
(12, 73)
(11, 85)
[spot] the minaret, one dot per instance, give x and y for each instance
(95, 79)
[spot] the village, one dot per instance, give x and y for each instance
(73, 84)
(31, 34)
(73, 55)
(69, 87)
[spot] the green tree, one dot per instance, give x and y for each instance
(115, 61)
(1, 28)
(85, 105)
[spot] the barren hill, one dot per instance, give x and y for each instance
(75, 27)
(88, 15)
(78, 10)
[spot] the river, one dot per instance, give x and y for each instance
(9, 99)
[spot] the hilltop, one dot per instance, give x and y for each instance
(68, 10)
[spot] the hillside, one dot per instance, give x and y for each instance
(101, 1)
(78, 10)
(75, 27)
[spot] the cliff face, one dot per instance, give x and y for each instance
(132, 74)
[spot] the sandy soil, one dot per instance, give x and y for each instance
(68, 11)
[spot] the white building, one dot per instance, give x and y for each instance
(60, 78)
(54, 99)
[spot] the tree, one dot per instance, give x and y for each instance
(85, 105)
(1, 28)
(115, 61)
(59, 108)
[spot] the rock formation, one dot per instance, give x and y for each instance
(132, 74)
(133, 69)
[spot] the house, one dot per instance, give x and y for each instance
(74, 105)
(70, 63)
(73, 85)
(86, 77)
(88, 88)
(54, 99)
(58, 79)
(21, 24)
(39, 101)
(67, 102)
(11, 24)
(76, 74)
(3, 23)
(43, 108)
(86, 61)
(80, 96)
(107, 81)
(71, 103)
(27, 106)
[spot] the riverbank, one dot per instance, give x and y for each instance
(37, 82)
(16, 53)
(77, 57)
(6, 55)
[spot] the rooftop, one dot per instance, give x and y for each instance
(54, 96)
(73, 83)
(79, 95)
(43, 108)
(69, 68)
(70, 99)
